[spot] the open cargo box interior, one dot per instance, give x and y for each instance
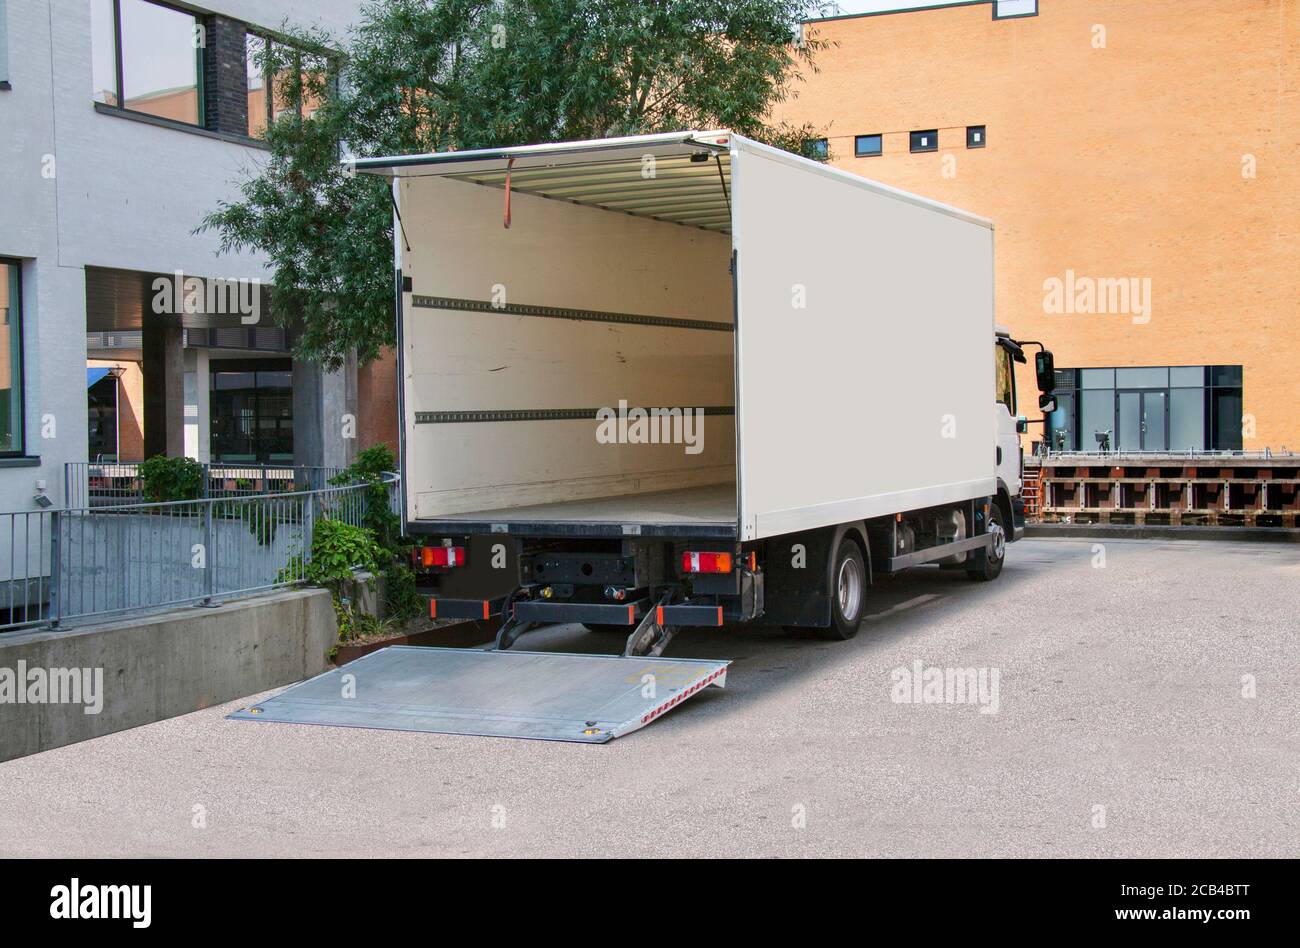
(610, 292)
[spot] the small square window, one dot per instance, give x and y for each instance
(817, 148)
(975, 136)
(867, 146)
(925, 141)
(1010, 9)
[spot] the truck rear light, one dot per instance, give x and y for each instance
(706, 562)
(443, 556)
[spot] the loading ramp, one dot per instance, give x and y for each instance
(549, 696)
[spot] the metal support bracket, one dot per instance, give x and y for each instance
(649, 638)
(511, 628)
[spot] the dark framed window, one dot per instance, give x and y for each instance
(975, 136)
(4, 46)
(927, 140)
(11, 358)
(867, 146)
(101, 414)
(1011, 9)
(147, 57)
(267, 98)
(817, 148)
(1148, 408)
(251, 410)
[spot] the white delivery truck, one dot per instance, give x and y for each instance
(690, 380)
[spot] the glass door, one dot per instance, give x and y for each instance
(1155, 435)
(1141, 421)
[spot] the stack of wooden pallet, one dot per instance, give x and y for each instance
(1225, 490)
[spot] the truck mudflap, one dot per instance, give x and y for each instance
(548, 696)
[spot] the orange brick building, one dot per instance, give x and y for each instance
(1139, 161)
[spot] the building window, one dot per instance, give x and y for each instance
(1010, 9)
(818, 149)
(4, 46)
(11, 358)
(867, 146)
(1155, 408)
(101, 414)
(925, 141)
(252, 410)
(975, 136)
(271, 64)
(148, 57)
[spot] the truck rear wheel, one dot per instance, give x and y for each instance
(848, 592)
(987, 564)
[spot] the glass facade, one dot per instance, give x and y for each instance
(11, 358)
(252, 410)
(1148, 408)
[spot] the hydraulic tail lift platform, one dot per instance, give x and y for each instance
(549, 696)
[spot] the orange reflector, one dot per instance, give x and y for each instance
(659, 614)
(433, 608)
(485, 608)
(719, 615)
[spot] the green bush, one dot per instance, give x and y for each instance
(401, 600)
(167, 479)
(338, 550)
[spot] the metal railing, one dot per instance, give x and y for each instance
(113, 483)
(1190, 454)
(75, 563)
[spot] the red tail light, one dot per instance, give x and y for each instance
(443, 556)
(706, 562)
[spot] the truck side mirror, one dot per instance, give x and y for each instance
(1047, 403)
(1045, 368)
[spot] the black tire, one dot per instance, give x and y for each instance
(848, 593)
(623, 630)
(844, 626)
(986, 565)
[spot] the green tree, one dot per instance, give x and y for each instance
(434, 75)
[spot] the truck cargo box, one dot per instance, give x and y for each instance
(809, 347)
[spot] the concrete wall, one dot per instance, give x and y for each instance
(1118, 133)
(181, 661)
(85, 188)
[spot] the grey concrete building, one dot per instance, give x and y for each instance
(123, 122)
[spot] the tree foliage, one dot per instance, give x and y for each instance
(434, 75)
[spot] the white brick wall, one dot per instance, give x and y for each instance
(122, 194)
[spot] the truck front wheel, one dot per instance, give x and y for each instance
(987, 564)
(848, 592)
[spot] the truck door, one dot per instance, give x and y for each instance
(1008, 440)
